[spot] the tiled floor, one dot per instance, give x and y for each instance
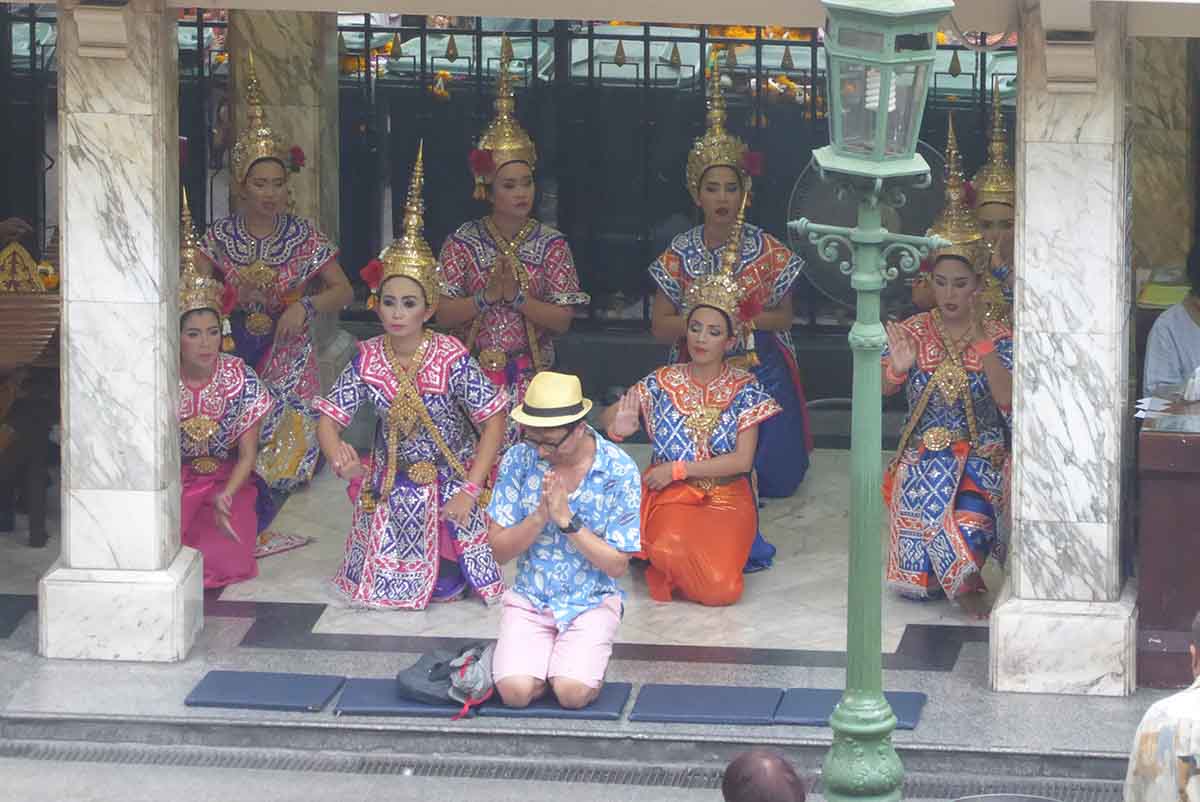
(798, 604)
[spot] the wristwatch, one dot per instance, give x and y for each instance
(575, 524)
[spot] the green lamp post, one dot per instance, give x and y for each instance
(879, 58)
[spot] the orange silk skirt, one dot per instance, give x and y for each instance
(697, 542)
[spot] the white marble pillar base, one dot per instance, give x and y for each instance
(1087, 648)
(96, 614)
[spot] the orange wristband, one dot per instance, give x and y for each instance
(678, 471)
(894, 377)
(616, 438)
(984, 347)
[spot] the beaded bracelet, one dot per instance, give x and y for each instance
(471, 489)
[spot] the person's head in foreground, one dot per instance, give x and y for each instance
(761, 776)
(552, 415)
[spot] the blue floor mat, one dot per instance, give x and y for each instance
(812, 707)
(607, 707)
(258, 690)
(706, 704)
(377, 697)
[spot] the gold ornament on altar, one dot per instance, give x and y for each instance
(504, 140)
(996, 181)
(20, 273)
(957, 222)
(258, 140)
(409, 256)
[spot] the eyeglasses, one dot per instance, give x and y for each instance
(550, 444)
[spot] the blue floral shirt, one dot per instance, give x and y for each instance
(552, 574)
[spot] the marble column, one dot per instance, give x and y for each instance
(1163, 185)
(1065, 621)
(123, 587)
(295, 56)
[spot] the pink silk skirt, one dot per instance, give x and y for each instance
(225, 560)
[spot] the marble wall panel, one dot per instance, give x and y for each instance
(122, 615)
(103, 524)
(112, 232)
(282, 44)
(1162, 92)
(1066, 561)
(1065, 647)
(1094, 117)
(1068, 405)
(1162, 197)
(112, 377)
(1071, 238)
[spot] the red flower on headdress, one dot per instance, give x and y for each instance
(749, 308)
(372, 274)
(969, 193)
(297, 158)
(228, 299)
(926, 265)
(481, 162)
(752, 163)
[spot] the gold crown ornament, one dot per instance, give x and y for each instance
(410, 255)
(721, 289)
(504, 140)
(957, 222)
(258, 140)
(996, 181)
(196, 290)
(717, 147)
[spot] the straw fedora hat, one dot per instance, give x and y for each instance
(553, 399)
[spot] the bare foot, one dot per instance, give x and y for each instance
(976, 605)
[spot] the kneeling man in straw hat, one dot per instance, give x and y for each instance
(566, 505)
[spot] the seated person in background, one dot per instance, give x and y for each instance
(565, 503)
(1166, 747)
(1173, 350)
(761, 775)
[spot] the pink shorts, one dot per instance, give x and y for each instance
(531, 646)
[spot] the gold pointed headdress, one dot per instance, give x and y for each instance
(720, 289)
(504, 140)
(717, 147)
(410, 255)
(996, 181)
(257, 140)
(956, 222)
(196, 290)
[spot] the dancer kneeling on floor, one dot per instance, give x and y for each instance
(417, 533)
(565, 505)
(699, 517)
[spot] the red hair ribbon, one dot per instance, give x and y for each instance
(752, 163)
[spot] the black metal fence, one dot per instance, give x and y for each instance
(613, 108)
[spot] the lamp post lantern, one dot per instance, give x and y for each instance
(879, 56)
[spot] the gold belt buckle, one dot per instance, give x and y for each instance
(422, 473)
(937, 438)
(493, 359)
(258, 324)
(205, 465)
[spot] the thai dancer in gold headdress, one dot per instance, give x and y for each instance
(703, 416)
(284, 271)
(946, 486)
(222, 403)
(417, 534)
(509, 280)
(995, 191)
(720, 170)
(995, 187)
